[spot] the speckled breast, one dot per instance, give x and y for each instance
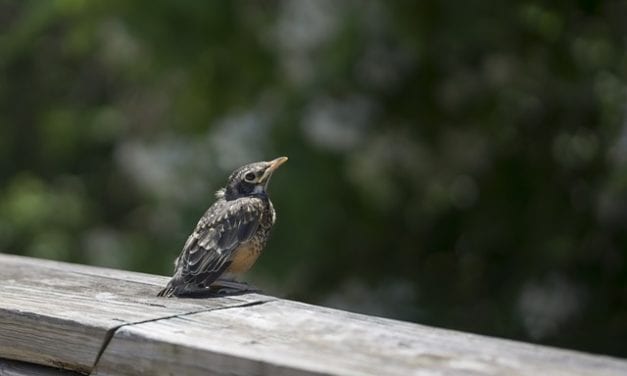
(245, 256)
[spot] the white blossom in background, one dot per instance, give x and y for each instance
(240, 139)
(183, 169)
(303, 27)
(338, 125)
(170, 169)
(546, 306)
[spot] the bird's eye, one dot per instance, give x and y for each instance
(249, 177)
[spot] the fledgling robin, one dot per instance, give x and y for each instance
(230, 235)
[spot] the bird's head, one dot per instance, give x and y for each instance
(251, 179)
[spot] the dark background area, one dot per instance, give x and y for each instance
(458, 164)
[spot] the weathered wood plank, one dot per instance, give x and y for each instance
(64, 315)
(283, 337)
(61, 315)
(15, 368)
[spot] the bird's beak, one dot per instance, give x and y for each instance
(274, 164)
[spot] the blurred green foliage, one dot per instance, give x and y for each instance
(461, 164)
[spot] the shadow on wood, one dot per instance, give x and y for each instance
(221, 289)
(15, 368)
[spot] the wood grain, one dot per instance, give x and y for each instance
(287, 338)
(62, 314)
(110, 322)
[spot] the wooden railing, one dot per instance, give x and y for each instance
(63, 319)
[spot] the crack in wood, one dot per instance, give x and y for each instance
(111, 332)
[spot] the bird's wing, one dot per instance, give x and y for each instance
(208, 250)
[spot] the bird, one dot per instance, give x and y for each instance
(230, 235)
